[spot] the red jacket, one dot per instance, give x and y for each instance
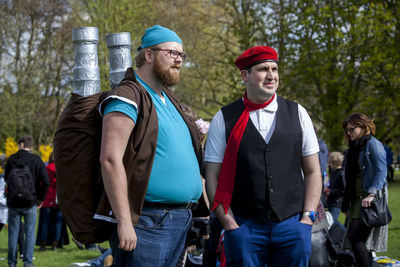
(50, 199)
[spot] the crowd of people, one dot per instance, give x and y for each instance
(265, 175)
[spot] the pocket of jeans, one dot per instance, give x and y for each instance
(305, 225)
(233, 231)
(150, 220)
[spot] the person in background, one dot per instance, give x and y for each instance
(389, 161)
(323, 155)
(3, 203)
(337, 184)
(26, 209)
(50, 216)
(365, 174)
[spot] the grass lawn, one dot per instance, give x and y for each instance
(59, 258)
(70, 253)
(394, 226)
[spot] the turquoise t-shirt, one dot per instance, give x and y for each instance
(175, 175)
(117, 105)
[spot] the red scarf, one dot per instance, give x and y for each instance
(227, 175)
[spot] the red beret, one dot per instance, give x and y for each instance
(255, 55)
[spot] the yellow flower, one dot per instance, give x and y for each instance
(10, 146)
(45, 151)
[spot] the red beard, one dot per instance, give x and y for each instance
(167, 75)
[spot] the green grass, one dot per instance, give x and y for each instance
(394, 226)
(59, 258)
(70, 253)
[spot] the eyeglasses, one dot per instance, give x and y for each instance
(349, 130)
(172, 53)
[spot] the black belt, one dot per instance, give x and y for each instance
(168, 206)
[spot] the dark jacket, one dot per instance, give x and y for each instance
(37, 167)
(337, 186)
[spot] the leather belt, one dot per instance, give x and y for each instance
(168, 206)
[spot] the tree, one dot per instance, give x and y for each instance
(36, 62)
(338, 66)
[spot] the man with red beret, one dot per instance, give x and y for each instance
(262, 171)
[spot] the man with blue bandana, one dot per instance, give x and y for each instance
(150, 155)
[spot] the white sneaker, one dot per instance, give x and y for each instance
(80, 264)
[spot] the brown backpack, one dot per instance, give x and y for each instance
(80, 186)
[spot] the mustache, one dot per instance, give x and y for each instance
(178, 66)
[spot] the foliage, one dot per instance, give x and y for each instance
(343, 62)
(335, 57)
(10, 146)
(36, 60)
(45, 151)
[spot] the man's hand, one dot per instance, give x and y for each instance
(39, 204)
(227, 220)
(127, 236)
(306, 220)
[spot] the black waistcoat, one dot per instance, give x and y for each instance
(268, 176)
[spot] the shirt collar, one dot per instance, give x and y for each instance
(272, 107)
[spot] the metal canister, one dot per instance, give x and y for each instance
(119, 48)
(86, 69)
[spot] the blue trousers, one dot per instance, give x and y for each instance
(51, 220)
(161, 236)
(99, 261)
(256, 243)
(14, 221)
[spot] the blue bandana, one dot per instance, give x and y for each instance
(157, 35)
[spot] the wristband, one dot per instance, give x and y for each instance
(311, 214)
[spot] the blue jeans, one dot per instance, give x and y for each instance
(161, 236)
(51, 221)
(335, 211)
(256, 243)
(14, 219)
(99, 261)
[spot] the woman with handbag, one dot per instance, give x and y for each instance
(365, 173)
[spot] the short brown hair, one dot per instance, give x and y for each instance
(140, 58)
(27, 140)
(362, 121)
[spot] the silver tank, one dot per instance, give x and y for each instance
(86, 69)
(119, 48)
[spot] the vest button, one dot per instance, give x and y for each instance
(270, 177)
(271, 190)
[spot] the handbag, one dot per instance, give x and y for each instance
(378, 214)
